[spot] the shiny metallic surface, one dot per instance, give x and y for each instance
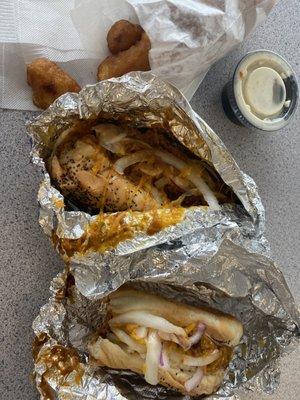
(142, 99)
(233, 280)
(215, 258)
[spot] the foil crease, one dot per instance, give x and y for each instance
(142, 99)
(233, 280)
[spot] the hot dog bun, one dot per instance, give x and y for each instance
(221, 327)
(176, 345)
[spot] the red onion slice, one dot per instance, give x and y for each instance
(195, 338)
(183, 341)
(164, 359)
(194, 381)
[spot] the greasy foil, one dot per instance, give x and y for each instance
(233, 280)
(142, 99)
(215, 258)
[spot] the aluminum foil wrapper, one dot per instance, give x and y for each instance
(234, 280)
(143, 100)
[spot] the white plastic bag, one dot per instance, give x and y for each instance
(187, 37)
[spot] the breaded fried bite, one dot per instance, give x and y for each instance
(122, 35)
(136, 58)
(48, 81)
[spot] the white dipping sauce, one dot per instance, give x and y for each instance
(264, 91)
(260, 90)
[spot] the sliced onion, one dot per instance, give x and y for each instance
(124, 162)
(150, 170)
(168, 158)
(113, 148)
(156, 194)
(181, 198)
(207, 193)
(201, 361)
(131, 343)
(207, 167)
(154, 347)
(194, 381)
(112, 139)
(182, 341)
(108, 133)
(148, 320)
(115, 139)
(164, 359)
(194, 177)
(108, 136)
(194, 339)
(140, 332)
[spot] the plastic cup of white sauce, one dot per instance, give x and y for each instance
(263, 92)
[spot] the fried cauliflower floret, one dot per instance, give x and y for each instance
(48, 81)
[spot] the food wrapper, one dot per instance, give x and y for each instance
(234, 280)
(141, 99)
(187, 37)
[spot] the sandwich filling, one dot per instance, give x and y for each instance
(188, 357)
(109, 167)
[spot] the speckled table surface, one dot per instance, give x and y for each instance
(28, 262)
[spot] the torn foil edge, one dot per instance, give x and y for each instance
(247, 285)
(138, 91)
(146, 99)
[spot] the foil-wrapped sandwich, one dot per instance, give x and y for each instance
(170, 343)
(130, 167)
(217, 328)
(143, 174)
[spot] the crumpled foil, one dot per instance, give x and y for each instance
(234, 280)
(144, 100)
